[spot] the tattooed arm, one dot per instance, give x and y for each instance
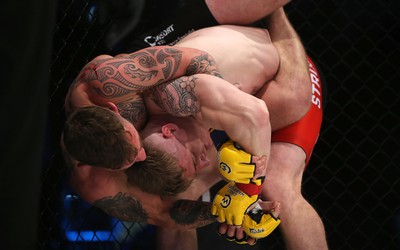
(124, 207)
(122, 79)
(185, 214)
(191, 214)
(218, 104)
(116, 77)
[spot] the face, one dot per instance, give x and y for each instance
(193, 142)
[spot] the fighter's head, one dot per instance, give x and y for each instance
(183, 138)
(101, 137)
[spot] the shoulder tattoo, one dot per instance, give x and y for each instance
(168, 58)
(123, 207)
(193, 213)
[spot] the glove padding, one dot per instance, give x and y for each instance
(242, 241)
(235, 164)
(231, 204)
(259, 225)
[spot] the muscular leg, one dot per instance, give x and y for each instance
(301, 226)
(290, 91)
(242, 12)
(197, 14)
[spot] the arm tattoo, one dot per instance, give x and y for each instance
(178, 97)
(134, 73)
(134, 111)
(123, 207)
(194, 213)
(202, 64)
(169, 57)
(171, 65)
(117, 82)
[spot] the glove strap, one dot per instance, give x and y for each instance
(250, 189)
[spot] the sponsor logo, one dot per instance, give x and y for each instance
(160, 38)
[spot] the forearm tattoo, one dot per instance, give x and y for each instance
(178, 97)
(202, 64)
(192, 213)
(123, 207)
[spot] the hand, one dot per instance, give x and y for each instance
(230, 204)
(259, 225)
(243, 234)
(236, 234)
(237, 165)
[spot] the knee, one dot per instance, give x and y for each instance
(298, 100)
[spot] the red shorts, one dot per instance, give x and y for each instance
(304, 133)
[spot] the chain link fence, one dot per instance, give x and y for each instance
(353, 177)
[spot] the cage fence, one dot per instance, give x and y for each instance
(353, 176)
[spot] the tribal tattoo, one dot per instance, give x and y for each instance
(134, 111)
(202, 64)
(123, 207)
(193, 213)
(178, 97)
(118, 77)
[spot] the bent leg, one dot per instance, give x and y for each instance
(290, 91)
(242, 12)
(197, 14)
(291, 149)
(301, 226)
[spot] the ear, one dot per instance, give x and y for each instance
(113, 107)
(82, 165)
(168, 130)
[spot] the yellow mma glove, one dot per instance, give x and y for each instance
(231, 204)
(259, 225)
(235, 164)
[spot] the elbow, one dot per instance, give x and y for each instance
(259, 114)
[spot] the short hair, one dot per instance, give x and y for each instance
(95, 136)
(160, 174)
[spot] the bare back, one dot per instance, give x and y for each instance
(245, 55)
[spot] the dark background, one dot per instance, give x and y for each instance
(353, 176)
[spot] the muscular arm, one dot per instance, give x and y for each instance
(122, 79)
(219, 105)
(115, 79)
(184, 214)
(191, 214)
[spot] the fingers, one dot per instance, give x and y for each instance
(235, 233)
(273, 207)
(261, 166)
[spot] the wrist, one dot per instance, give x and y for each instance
(250, 189)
